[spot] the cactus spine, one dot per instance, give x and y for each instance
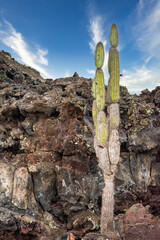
(106, 139)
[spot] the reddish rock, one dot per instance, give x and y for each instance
(96, 236)
(139, 224)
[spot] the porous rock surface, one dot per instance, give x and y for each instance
(50, 182)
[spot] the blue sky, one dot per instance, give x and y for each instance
(58, 37)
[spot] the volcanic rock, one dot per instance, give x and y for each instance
(50, 182)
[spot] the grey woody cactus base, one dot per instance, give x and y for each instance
(106, 139)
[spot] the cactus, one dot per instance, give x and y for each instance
(113, 112)
(101, 129)
(109, 59)
(100, 89)
(99, 55)
(114, 147)
(114, 75)
(106, 140)
(94, 112)
(113, 36)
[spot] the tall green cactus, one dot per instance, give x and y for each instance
(106, 139)
(98, 91)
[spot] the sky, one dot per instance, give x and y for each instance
(58, 37)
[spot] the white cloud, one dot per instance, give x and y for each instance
(139, 78)
(91, 71)
(148, 59)
(14, 40)
(96, 32)
(146, 34)
(41, 53)
(67, 74)
(147, 29)
(97, 35)
(140, 6)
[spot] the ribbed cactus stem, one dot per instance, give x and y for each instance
(100, 89)
(94, 89)
(108, 91)
(114, 36)
(109, 59)
(113, 112)
(114, 149)
(94, 113)
(99, 55)
(114, 75)
(102, 129)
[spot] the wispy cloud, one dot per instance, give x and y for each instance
(90, 71)
(139, 78)
(146, 37)
(14, 40)
(147, 29)
(97, 35)
(140, 6)
(96, 32)
(67, 74)
(148, 59)
(41, 53)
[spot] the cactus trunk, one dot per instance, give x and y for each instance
(107, 210)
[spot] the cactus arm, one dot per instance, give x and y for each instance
(99, 55)
(102, 129)
(94, 112)
(100, 89)
(113, 112)
(114, 76)
(114, 36)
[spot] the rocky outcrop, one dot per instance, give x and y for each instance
(50, 182)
